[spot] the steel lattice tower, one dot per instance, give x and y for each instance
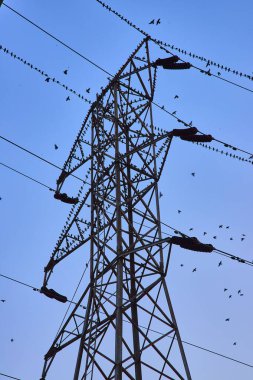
(127, 297)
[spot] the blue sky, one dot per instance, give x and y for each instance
(35, 115)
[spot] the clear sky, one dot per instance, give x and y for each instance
(35, 115)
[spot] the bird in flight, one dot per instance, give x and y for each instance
(221, 225)
(227, 227)
(56, 147)
(242, 238)
(230, 296)
(179, 211)
(152, 22)
(158, 21)
(205, 233)
(227, 319)
(231, 238)
(181, 265)
(88, 90)
(193, 174)
(239, 291)
(68, 99)
(220, 263)
(234, 344)
(225, 289)
(176, 97)
(12, 340)
(190, 229)
(214, 237)
(194, 270)
(65, 72)
(3, 301)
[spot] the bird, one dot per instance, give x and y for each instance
(65, 71)
(220, 263)
(243, 235)
(241, 294)
(225, 289)
(193, 174)
(47, 80)
(242, 238)
(181, 265)
(88, 90)
(204, 233)
(3, 301)
(56, 147)
(239, 291)
(227, 319)
(234, 344)
(12, 340)
(158, 22)
(221, 225)
(176, 97)
(228, 227)
(214, 237)
(174, 112)
(179, 211)
(67, 99)
(190, 229)
(190, 124)
(230, 296)
(231, 238)
(152, 22)
(194, 270)
(160, 194)
(218, 73)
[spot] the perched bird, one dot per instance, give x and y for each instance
(158, 22)
(220, 263)
(151, 22)
(225, 289)
(56, 147)
(243, 235)
(193, 174)
(67, 99)
(190, 124)
(194, 270)
(204, 233)
(47, 80)
(3, 301)
(176, 97)
(221, 225)
(227, 319)
(88, 90)
(174, 112)
(65, 72)
(179, 211)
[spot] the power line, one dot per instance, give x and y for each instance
(12, 54)
(158, 332)
(3, 374)
(162, 44)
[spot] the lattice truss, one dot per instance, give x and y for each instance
(117, 222)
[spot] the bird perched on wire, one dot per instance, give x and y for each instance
(65, 72)
(204, 233)
(47, 80)
(174, 112)
(67, 99)
(56, 147)
(225, 289)
(88, 90)
(191, 229)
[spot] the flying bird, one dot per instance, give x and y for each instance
(239, 291)
(65, 71)
(181, 265)
(193, 174)
(228, 227)
(194, 270)
(3, 301)
(221, 225)
(158, 22)
(88, 90)
(190, 229)
(214, 237)
(204, 233)
(234, 344)
(152, 22)
(220, 263)
(179, 211)
(230, 296)
(176, 97)
(67, 99)
(56, 147)
(12, 340)
(225, 289)
(227, 319)
(242, 238)
(231, 238)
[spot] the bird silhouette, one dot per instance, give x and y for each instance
(190, 229)
(158, 22)
(204, 233)
(65, 72)
(193, 174)
(88, 90)
(67, 99)
(221, 225)
(220, 263)
(242, 238)
(239, 291)
(181, 265)
(152, 22)
(214, 237)
(218, 73)
(0, 198)
(194, 270)
(174, 112)
(234, 344)
(56, 147)
(227, 319)
(3, 301)
(231, 238)
(228, 227)
(243, 235)
(230, 296)
(176, 97)
(225, 289)
(160, 194)
(179, 211)
(47, 80)
(12, 340)
(241, 294)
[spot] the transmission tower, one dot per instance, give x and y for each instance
(115, 218)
